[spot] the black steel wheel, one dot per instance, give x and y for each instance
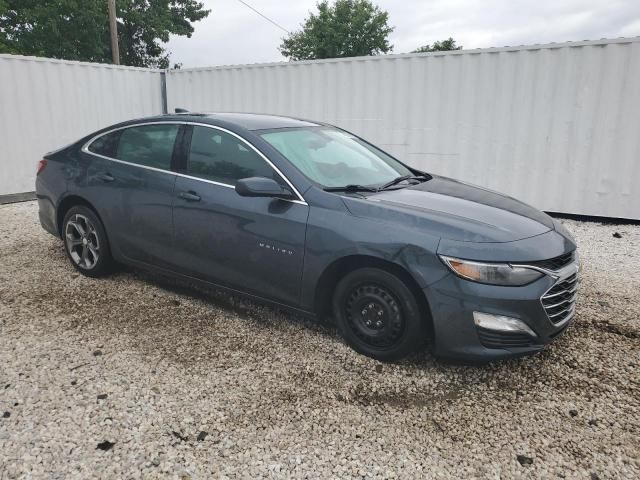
(378, 315)
(374, 315)
(85, 242)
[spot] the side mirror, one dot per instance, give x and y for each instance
(262, 187)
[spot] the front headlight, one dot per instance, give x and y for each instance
(491, 273)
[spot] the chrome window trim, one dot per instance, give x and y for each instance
(85, 149)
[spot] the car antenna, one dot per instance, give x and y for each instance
(181, 110)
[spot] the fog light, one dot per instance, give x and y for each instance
(501, 323)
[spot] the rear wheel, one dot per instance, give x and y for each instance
(85, 242)
(378, 315)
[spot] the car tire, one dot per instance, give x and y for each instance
(85, 242)
(378, 315)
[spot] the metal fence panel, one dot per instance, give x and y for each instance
(46, 104)
(557, 125)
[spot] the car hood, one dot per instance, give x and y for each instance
(454, 210)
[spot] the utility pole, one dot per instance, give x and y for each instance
(113, 27)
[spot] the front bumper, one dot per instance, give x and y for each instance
(453, 300)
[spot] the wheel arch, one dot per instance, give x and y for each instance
(332, 274)
(69, 202)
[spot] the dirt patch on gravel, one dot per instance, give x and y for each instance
(140, 376)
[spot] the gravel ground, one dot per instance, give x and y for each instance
(134, 376)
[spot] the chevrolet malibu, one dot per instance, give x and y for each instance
(315, 219)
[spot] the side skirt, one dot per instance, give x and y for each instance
(224, 288)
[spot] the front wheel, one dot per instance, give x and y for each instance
(378, 315)
(85, 242)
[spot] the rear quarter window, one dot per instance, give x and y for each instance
(106, 145)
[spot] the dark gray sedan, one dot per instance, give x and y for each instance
(311, 217)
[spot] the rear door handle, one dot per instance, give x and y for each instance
(189, 196)
(106, 177)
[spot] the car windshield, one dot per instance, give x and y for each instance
(334, 158)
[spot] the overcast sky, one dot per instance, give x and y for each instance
(233, 34)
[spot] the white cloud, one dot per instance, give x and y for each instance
(233, 34)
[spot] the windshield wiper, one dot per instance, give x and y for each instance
(350, 188)
(397, 180)
(362, 188)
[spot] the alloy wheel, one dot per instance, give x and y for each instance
(82, 241)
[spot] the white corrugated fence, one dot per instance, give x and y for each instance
(46, 104)
(557, 125)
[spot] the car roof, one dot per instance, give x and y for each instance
(248, 121)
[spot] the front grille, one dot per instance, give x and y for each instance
(560, 301)
(555, 263)
(495, 339)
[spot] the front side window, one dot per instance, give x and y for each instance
(221, 157)
(148, 145)
(334, 158)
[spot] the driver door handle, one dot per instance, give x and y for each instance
(189, 196)
(106, 177)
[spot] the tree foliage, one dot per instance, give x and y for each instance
(439, 46)
(348, 28)
(79, 29)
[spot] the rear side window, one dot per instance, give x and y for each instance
(148, 145)
(218, 156)
(106, 145)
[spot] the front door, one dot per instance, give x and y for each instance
(251, 244)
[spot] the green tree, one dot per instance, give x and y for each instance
(440, 46)
(79, 29)
(348, 28)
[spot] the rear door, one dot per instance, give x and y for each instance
(131, 180)
(251, 244)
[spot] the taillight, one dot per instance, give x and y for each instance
(41, 164)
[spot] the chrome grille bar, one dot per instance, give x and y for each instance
(561, 293)
(567, 300)
(559, 301)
